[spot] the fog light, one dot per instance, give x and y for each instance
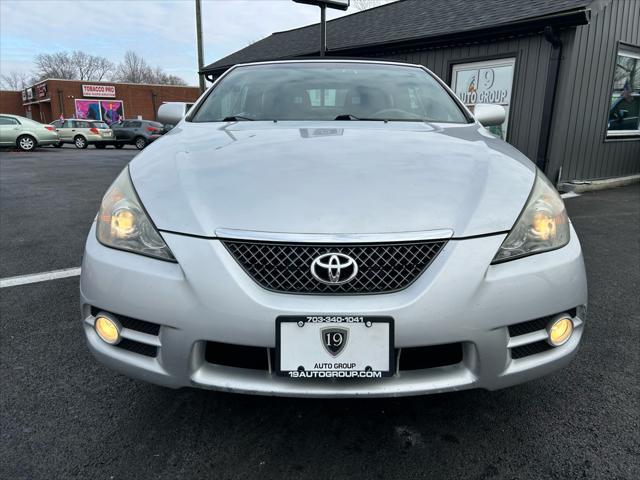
(107, 328)
(560, 330)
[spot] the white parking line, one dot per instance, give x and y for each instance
(39, 277)
(570, 195)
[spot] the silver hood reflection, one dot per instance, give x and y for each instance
(332, 178)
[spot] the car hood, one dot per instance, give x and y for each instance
(332, 178)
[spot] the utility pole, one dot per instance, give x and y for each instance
(199, 42)
(323, 29)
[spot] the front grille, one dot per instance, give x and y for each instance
(530, 349)
(382, 268)
(531, 326)
(133, 323)
(137, 347)
(261, 358)
(534, 325)
(139, 326)
(528, 327)
(239, 356)
(420, 358)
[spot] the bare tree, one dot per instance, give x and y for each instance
(102, 68)
(367, 4)
(135, 69)
(161, 77)
(15, 80)
(80, 65)
(175, 80)
(91, 67)
(55, 65)
(76, 65)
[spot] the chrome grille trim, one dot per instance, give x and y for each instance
(342, 238)
(286, 267)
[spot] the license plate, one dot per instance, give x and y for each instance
(334, 346)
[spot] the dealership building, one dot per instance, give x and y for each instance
(51, 99)
(567, 72)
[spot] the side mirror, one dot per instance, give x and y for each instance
(172, 112)
(490, 115)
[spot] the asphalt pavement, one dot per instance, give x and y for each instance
(65, 416)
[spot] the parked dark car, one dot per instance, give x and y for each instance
(136, 132)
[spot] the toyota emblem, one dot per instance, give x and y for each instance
(334, 268)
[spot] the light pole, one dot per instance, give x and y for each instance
(199, 42)
(323, 4)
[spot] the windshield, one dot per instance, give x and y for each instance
(329, 91)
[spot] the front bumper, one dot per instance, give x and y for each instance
(460, 298)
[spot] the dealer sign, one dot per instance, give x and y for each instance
(103, 91)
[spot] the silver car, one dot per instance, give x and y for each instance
(329, 228)
(84, 132)
(24, 133)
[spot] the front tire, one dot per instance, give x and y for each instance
(80, 142)
(26, 143)
(141, 142)
(58, 145)
(119, 145)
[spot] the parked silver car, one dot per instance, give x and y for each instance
(333, 228)
(24, 133)
(84, 132)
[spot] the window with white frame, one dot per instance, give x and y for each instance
(624, 111)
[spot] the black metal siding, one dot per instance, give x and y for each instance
(530, 75)
(578, 137)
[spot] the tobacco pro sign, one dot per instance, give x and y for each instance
(102, 91)
(485, 82)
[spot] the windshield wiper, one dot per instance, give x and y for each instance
(236, 118)
(348, 116)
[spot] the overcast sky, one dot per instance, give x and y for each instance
(163, 32)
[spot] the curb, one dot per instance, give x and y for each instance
(578, 186)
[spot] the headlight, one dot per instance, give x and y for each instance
(123, 223)
(543, 224)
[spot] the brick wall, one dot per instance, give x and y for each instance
(11, 102)
(141, 100)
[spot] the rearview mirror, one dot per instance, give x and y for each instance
(172, 112)
(490, 115)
